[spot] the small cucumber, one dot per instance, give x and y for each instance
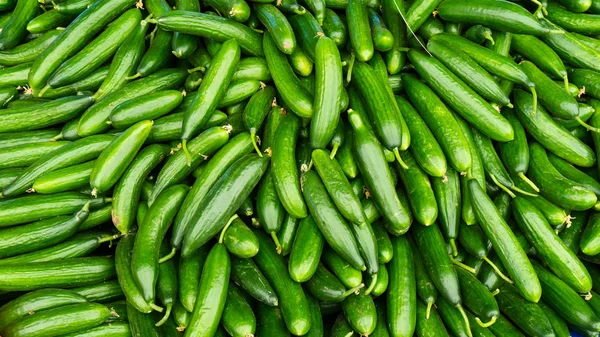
(240, 240)
(306, 252)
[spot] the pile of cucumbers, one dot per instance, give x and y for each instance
(261, 168)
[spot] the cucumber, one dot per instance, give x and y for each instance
(278, 26)
(211, 91)
(149, 106)
(237, 10)
(429, 322)
(505, 244)
(419, 191)
(503, 327)
(48, 21)
(114, 159)
(246, 274)
(29, 51)
(212, 292)
(570, 48)
(306, 252)
(14, 30)
(168, 128)
(141, 324)
(256, 111)
(558, 324)
(43, 115)
(565, 301)
(128, 189)
(115, 329)
(66, 273)
(190, 269)
(238, 318)
(90, 22)
(287, 234)
(35, 301)
(360, 313)
(132, 292)
(293, 304)
(372, 164)
(447, 195)
(226, 156)
(402, 293)
(95, 52)
(223, 200)
(335, 27)
(461, 97)
(101, 292)
(478, 299)
(59, 321)
(214, 27)
(270, 321)
(71, 154)
(327, 287)
(550, 180)
(180, 165)
(15, 75)
(589, 243)
(359, 29)
(40, 234)
(240, 241)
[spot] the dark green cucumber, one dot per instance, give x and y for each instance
(256, 111)
(461, 97)
(40, 234)
(429, 322)
(168, 128)
(88, 84)
(223, 200)
(306, 28)
(426, 150)
(14, 30)
(361, 313)
(26, 209)
(334, 27)
(505, 16)
(132, 292)
(146, 250)
(395, 58)
(48, 21)
(238, 92)
(571, 235)
(287, 234)
(60, 321)
(344, 155)
(278, 26)
(479, 34)
(238, 318)
(214, 27)
(550, 182)
(469, 71)
(505, 243)
(149, 106)
(540, 54)
(95, 52)
(72, 154)
(27, 154)
(90, 22)
(293, 304)
(246, 274)
(570, 48)
(383, 39)
(271, 321)
(226, 156)
(565, 301)
(79, 245)
(503, 327)
(116, 157)
(190, 269)
(589, 243)
(334, 228)
(35, 301)
(447, 194)
(94, 119)
(240, 241)
(478, 299)
(73, 7)
(376, 172)
(15, 75)
(158, 55)
(289, 87)
(141, 324)
(184, 45)
(419, 191)
(66, 273)
(27, 52)
(402, 292)
(167, 284)
(180, 165)
(101, 292)
(127, 191)
(550, 134)
(558, 324)
(475, 172)
(570, 18)
(325, 286)
(574, 174)
(43, 115)
(306, 252)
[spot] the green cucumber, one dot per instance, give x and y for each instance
(505, 243)
(306, 252)
(132, 292)
(418, 12)
(447, 194)
(238, 318)
(589, 242)
(270, 322)
(360, 312)
(278, 26)
(190, 269)
(15, 75)
(223, 200)
(240, 240)
(335, 28)
(221, 161)
(246, 274)
(402, 292)
(558, 324)
(184, 45)
(429, 322)
(66, 273)
(256, 111)
(293, 302)
(27, 154)
(167, 284)
(419, 191)
(149, 106)
(237, 10)
(503, 327)
(479, 34)
(68, 179)
(141, 324)
(540, 54)
(101, 292)
(29, 51)
(287, 234)
(570, 48)
(60, 321)
(127, 192)
(114, 329)
(114, 159)
(327, 287)
(14, 30)
(48, 21)
(478, 298)
(254, 68)
(168, 128)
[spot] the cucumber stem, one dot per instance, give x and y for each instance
(464, 315)
(428, 312)
(193, 70)
(496, 292)
(566, 79)
(43, 91)
(276, 240)
(509, 192)
(399, 159)
(155, 307)
(187, 153)
(534, 94)
(133, 77)
(235, 216)
(488, 324)
(453, 246)
(57, 137)
(585, 125)
(497, 270)
(300, 10)
(254, 142)
(516, 189)
(350, 66)
(107, 238)
(529, 182)
(166, 316)
(371, 285)
(541, 10)
(488, 36)
(168, 256)
(334, 150)
(463, 266)
(354, 290)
